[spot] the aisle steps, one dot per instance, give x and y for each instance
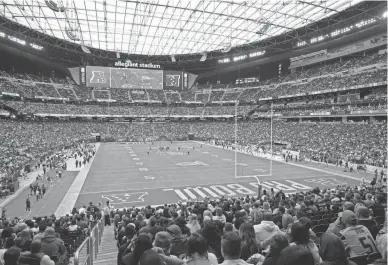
(107, 251)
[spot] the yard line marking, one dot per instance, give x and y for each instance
(191, 195)
(181, 195)
(197, 189)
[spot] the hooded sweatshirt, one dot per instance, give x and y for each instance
(53, 246)
(265, 230)
(332, 250)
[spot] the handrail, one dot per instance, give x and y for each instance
(91, 243)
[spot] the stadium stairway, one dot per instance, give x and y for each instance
(107, 251)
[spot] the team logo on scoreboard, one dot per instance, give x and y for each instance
(173, 80)
(97, 77)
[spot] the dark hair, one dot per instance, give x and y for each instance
(9, 242)
(295, 255)
(42, 226)
(300, 214)
(379, 198)
(299, 233)
(148, 215)
(142, 243)
(238, 222)
(212, 236)
(11, 256)
(278, 242)
(247, 235)
(196, 244)
(36, 246)
(73, 222)
(282, 210)
(231, 245)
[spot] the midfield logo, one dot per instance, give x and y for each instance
(125, 197)
(196, 163)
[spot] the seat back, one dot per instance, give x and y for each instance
(360, 260)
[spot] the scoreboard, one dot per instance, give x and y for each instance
(137, 78)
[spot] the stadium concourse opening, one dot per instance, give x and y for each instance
(193, 132)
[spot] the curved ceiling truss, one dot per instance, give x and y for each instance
(167, 27)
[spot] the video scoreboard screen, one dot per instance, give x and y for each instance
(107, 77)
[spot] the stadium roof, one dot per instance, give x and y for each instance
(168, 27)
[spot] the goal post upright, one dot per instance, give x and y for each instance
(257, 177)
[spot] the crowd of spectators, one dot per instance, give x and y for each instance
(314, 79)
(341, 226)
(46, 240)
(26, 141)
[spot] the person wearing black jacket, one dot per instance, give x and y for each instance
(130, 233)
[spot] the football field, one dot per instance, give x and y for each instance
(126, 174)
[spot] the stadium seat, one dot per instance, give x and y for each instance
(373, 257)
(320, 229)
(380, 219)
(374, 230)
(328, 216)
(324, 221)
(315, 218)
(360, 260)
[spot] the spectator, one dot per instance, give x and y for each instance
(42, 229)
(295, 255)
(150, 257)
(11, 256)
(364, 218)
(249, 246)
(162, 244)
(267, 208)
(107, 208)
(141, 244)
(219, 216)
(256, 213)
(58, 228)
(181, 222)
(265, 230)
(332, 250)
(130, 233)
(378, 207)
(73, 227)
(300, 237)
(212, 235)
(277, 243)
(53, 246)
(179, 244)
(357, 239)
(163, 241)
(381, 243)
(7, 231)
(193, 224)
(337, 226)
(368, 201)
(26, 240)
(197, 252)
(9, 242)
(231, 249)
(287, 219)
(35, 255)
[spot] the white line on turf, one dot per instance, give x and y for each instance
(298, 165)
